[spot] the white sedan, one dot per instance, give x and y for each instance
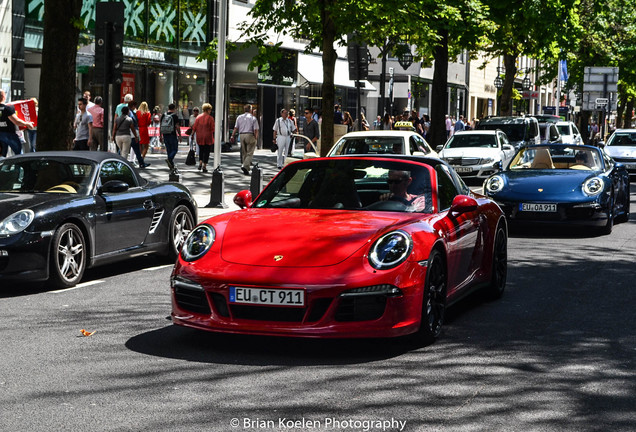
(477, 153)
(380, 142)
(569, 133)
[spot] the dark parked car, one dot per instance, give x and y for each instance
(64, 211)
(521, 131)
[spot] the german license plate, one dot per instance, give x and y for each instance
(267, 296)
(535, 207)
(460, 169)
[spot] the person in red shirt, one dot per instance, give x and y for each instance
(204, 128)
(96, 110)
(143, 121)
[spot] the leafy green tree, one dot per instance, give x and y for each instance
(57, 106)
(459, 25)
(540, 30)
(324, 24)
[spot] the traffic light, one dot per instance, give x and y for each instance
(109, 42)
(116, 54)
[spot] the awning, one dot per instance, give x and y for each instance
(310, 67)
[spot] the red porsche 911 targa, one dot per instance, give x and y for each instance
(343, 247)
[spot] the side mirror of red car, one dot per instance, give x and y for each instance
(243, 199)
(463, 204)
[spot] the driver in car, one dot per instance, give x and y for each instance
(399, 182)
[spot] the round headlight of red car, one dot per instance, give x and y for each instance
(198, 243)
(390, 250)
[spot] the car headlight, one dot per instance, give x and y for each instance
(494, 184)
(390, 250)
(593, 186)
(17, 222)
(198, 243)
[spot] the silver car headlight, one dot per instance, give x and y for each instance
(390, 250)
(198, 243)
(17, 222)
(593, 186)
(494, 184)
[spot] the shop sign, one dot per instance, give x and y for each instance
(144, 54)
(283, 72)
(530, 94)
(127, 85)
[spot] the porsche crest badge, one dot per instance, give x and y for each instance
(540, 190)
(278, 257)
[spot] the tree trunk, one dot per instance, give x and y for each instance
(437, 132)
(57, 105)
(328, 66)
(584, 125)
(629, 108)
(506, 92)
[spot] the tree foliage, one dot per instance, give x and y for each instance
(539, 29)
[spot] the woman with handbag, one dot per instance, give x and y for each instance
(203, 127)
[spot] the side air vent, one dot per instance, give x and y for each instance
(156, 218)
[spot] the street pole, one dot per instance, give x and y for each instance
(220, 84)
(217, 189)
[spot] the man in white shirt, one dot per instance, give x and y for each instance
(247, 128)
(283, 128)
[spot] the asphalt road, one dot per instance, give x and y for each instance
(556, 353)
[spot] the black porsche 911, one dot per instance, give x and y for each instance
(61, 212)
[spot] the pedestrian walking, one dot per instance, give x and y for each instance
(97, 133)
(283, 128)
(377, 123)
(346, 120)
(203, 129)
(170, 134)
(311, 131)
(449, 124)
(192, 138)
(143, 122)
(123, 129)
(32, 134)
(134, 138)
(83, 126)
(387, 123)
(247, 129)
(292, 142)
(459, 124)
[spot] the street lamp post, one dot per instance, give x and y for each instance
(498, 83)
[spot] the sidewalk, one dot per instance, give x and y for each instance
(200, 183)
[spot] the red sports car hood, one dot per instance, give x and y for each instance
(303, 238)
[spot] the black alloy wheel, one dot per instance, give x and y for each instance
(624, 217)
(68, 256)
(497, 285)
(434, 301)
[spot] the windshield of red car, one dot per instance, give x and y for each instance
(339, 183)
(44, 175)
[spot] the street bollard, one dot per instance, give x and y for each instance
(174, 175)
(217, 189)
(256, 182)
